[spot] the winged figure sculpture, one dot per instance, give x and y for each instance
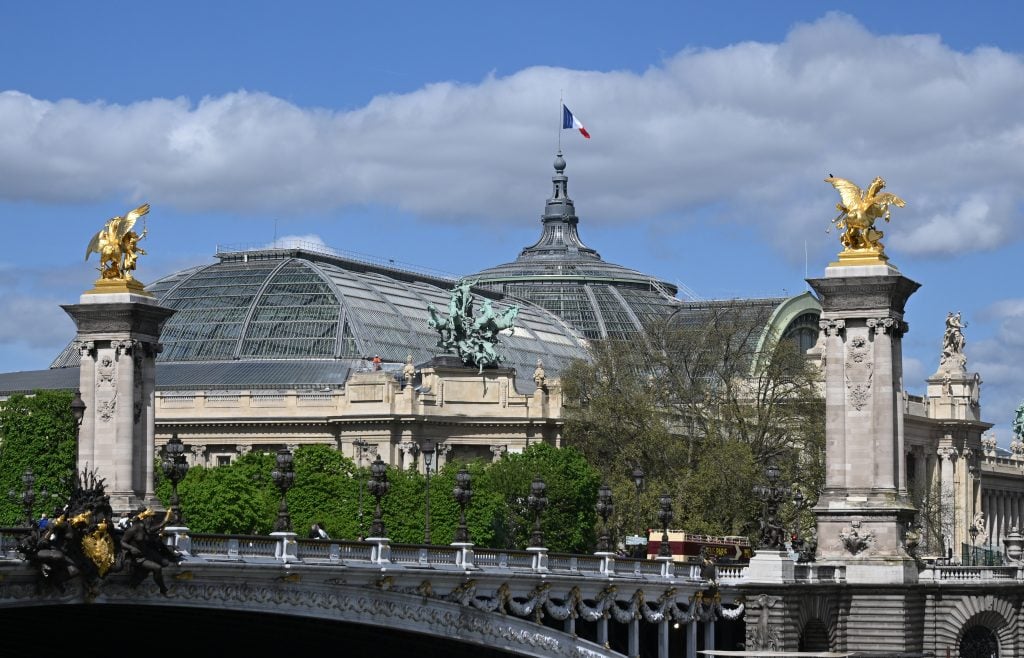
(117, 243)
(858, 210)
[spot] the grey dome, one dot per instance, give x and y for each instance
(274, 305)
(568, 278)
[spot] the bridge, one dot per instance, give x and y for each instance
(457, 600)
(525, 603)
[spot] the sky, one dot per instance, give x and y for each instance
(424, 134)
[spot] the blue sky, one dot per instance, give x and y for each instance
(425, 132)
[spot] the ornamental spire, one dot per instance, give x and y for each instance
(560, 236)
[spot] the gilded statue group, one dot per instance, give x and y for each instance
(472, 339)
(858, 210)
(83, 541)
(117, 243)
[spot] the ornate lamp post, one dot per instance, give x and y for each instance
(284, 477)
(771, 496)
(428, 457)
(463, 493)
(360, 446)
(665, 515)
(78, 412)
(28, 494)
(798, 542)
(973, 530)
(379, 487)
(175, 467)
(537, 501)
(605, 507)
(638, 480)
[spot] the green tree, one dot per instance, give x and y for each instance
(241, 498)
(571, 483)
(235, 499)
(38, 433)
(701, 405)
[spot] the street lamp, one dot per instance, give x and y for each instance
(537, 501)
(463, 492)
(28, 494)
(772, 496)
(379, 486)
(284, 477)
(605, 507)
(798, 543)
(665, 516)
(175, 467)
(360, 446)
(428, 458)
(638, 480)
(974, 549)
(78, 411)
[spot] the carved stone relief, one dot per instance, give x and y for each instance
(106, 387)
(859, 370)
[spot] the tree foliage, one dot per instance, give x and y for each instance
(700, 406)
(329, 489)
(38, 433)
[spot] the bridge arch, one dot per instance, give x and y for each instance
(332, 599)
(993, 612)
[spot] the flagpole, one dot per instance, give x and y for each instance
(560, 113)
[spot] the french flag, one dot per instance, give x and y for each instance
(569, 122)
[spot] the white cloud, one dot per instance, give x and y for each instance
(998, 359)
(752, 128)
(34, 322)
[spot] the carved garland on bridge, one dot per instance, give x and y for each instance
(540, 601)
(532, 607)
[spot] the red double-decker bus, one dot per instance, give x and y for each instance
(688, 547)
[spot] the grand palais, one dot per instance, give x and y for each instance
(274, 347)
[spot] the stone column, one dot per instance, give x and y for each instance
(947, 509)
(118, 335)
(863, 514)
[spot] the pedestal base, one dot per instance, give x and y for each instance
(108, 286)
(771, 567)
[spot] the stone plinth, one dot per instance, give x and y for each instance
(118, 339)
(771, 567)
(865, 508)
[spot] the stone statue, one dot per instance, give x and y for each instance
(472, 339)
(408, 371)
(118, 245)
(1018, 422)
(854, 540)
(538, 374)
(953, 342)
(858, 211)
(981, 536)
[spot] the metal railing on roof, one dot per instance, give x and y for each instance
(322, 249)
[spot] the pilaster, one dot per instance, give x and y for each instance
(865, 510)
(118, 337)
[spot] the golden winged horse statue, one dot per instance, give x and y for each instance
(858, 211)
(118, 245)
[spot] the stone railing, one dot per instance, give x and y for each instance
(960, 573)
(286, 547)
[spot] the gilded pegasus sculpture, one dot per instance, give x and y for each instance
(118, 245)
(858, 210)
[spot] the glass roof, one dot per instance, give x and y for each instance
(298, 304)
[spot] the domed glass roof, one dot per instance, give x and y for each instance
(300, 304)
(563, 275)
